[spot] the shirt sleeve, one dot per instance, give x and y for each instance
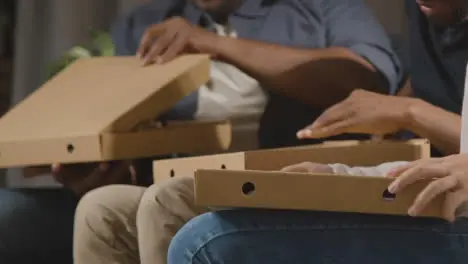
(351, 24)
(127, 30)
(121, 36)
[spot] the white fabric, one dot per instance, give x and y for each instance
(232, 94)
(380, 170)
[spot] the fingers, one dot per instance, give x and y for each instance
(415, 174)
(55, 168)
(104, 166)
(133, 174)
(429, 193)
(162, 42)
(331, 130)
(68, 173)
(300, 167)
(148, 38)
(337, 112)
(395, 172)
(158, 47)
(308, 167)
(114, 173)
(455, 205)
(295, 168)
(176, 48)
(335, 118)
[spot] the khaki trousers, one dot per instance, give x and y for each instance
(129, 224)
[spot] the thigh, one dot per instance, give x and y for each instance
(36, 225)
(105, 225)
(266, 236)
(105, 210)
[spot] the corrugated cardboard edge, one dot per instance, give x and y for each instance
(300, 191)
(187, 137)
(353, 153)
(181, 138)
(275, 159)
(65, 150)
(185, 167)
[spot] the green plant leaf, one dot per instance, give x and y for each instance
(102, 43)
(64, 61)
(79, 52)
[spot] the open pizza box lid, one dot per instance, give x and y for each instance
(93, 109)
(252, 179)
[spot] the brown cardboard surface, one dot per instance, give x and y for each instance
(89, 111)
(354, 153)
(301, 191)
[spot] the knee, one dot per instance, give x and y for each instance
(168, 192)
(204, 231)
(100, 208)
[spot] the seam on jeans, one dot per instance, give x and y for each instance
(320, 228)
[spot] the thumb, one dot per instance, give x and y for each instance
(133, 174)
(55, 168)
(308, 167)
(295, 168)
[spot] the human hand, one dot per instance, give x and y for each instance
(163, 42)
(450, 178)
(308, 167)
(81, 178)
(362, 112)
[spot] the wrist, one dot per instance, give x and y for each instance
(412, 112)
(208, 43)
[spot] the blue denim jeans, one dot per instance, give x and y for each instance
(36, 226)
(300, 237)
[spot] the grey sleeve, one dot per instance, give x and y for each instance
(351, 24)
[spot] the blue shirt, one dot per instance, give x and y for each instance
(295, 23)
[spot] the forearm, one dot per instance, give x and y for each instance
(320, 77)
(441, 127)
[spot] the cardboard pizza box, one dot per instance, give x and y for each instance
(100, 109)
(252, 180)
(353, 153)
(305, 191)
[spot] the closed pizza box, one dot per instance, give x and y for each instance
(102, 108)
(354, 153)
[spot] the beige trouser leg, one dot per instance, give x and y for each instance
(112, 221)
(105, 226)
(163, 210)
